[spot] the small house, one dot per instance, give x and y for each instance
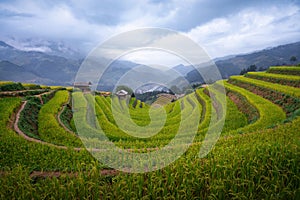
(84, 87)
(122, 93)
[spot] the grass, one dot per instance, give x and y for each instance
(273, 86)
(251, 160)
(284, 96)
(262, 165)
(282, 79)
(16, 151)
(49, 128)
(5, 82)
(28, 122)
(31, 86)
(289, 70)
(269, 113)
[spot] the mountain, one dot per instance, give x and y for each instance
(43, 68)
(4, 45)
(56, 48)
(55, 67)
(142, 74)
(113, 74)
(262, 59)
(152, 87)
(12, 72)
(148, 92)
(46, 68)
(182, 69)
(224, 58)
(279, 55)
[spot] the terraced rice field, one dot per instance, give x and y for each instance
(256, 157)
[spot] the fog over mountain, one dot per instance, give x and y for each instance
(55, 67)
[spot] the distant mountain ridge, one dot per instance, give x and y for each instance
(48, 69)
(43, 68)
(55, 48)
(3, 44)
(279, 55)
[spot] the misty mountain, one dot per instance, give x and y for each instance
(56, 48)
(152, 87)
(46, 68)
(183, 69)
(143, 74)
(12, 72)
(4, 45)
(262, 59)
(42, 68)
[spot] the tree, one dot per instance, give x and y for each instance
(244, 71)
(293, 59)
(252, 68)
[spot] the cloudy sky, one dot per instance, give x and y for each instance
(221, 27)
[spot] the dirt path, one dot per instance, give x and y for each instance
(40, 95)
(59, 119)
(18, 92)
(21, 133)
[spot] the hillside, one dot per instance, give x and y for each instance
(262, 59)
(12, 72)
(57, 68)
(52, 146)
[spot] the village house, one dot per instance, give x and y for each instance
(83, 86)
(122, 94)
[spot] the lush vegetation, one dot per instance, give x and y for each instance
(256, 157)
(276, 78)
(67, 117)
(285, 70)
(10, 86)
(285, 96)
(28, 122)
(48, 127)
(16, 151)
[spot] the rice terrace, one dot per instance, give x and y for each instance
(150, 99)
(256, 157)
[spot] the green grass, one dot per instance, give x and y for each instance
(278, 87)
(31, 86)
(66, 117)
(251, 160)
(262, 165)
(5, 82)
(28, 121)
(162, 100)
(269, 113)
(282, 79)
(284, 96)
(290, 70)
(49, 128)
(16, 151)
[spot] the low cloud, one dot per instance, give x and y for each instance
(225, 28)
